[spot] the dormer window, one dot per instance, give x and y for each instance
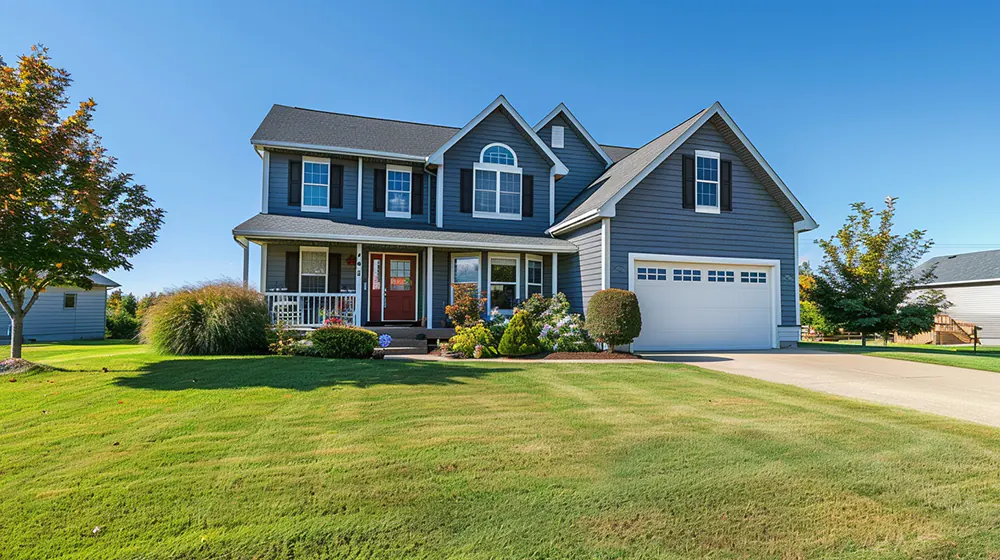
(497, 184)
(707, 182)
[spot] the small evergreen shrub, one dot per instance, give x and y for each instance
(121, 325)
(613, 317)
(343, 342)
(207, 319)
(468, 307)
(473, 342)
(520, 339)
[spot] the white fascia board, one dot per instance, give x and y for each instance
(562, 108)
(577, 222)
(270, 235)
(437, 158)
(336, 150)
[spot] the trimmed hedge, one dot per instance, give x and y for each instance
(613, 317)
(520, 338)
(343, 342)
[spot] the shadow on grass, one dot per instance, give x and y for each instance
(878, 348)
(296, 373)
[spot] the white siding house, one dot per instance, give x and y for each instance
(65, 313)
(971, 284)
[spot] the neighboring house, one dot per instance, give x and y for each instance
(65, 313)
(373, 220)
(971, 284)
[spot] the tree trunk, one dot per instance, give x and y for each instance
(864, 339)
(16, 334)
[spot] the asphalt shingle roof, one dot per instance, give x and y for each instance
(966, 267)
(616, 153)
(321, 229)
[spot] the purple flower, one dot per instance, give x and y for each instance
(384, 340)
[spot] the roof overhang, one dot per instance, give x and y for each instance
(437, 158)
(336, 150)
(564, 110)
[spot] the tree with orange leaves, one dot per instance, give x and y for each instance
(66, 212)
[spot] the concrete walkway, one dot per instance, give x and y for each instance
(961, 393)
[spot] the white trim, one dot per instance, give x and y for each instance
(429, 299)
(282, 236)
(451, 272)
(437, 157)
(704, 208)
(552, 196)
(326, 263)
(528, 259)
(482, 154)
(265, 182)
(359, 272)
(773, 263)
(562, 108)
(415, 272)
(76, 299)
(263, 268)
(555, 273)
(302, 184)
(340, 151)
(798, 302)
(360, 183)
(577, 222)
(489, 279)
(605, 253)
(409, 195)
(498, 169)
(439, 194)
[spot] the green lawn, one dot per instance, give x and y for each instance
(985, 358)
(275, 457)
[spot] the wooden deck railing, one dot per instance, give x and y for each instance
(310, 310)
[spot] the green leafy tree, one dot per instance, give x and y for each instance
(810, 314)
(66, 212)
(866, 282)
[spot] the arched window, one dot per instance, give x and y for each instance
(499, 154)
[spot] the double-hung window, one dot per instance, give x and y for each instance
(505, 271)
(497, 187)
(464, 271)
(398, 191)
(313, 271)
(534, 275)
(315, 184)
(707, 182)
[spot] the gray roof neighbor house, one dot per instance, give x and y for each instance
(981, 266)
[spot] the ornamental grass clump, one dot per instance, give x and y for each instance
(208, 319)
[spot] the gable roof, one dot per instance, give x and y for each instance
(980, 266)
(617, 153)
(565, 112)
(102, 280)
(599, 200)
(500, 102)
(293, 127)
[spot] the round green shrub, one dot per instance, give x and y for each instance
(121, 325)
(343, 342)
(520, 338)
(208, 319)
(473, 342)
(613, 317)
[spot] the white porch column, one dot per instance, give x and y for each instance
(439, 195)
(360, 189)
(555, 273)
(358, 277)
(263, 267)
(430, 287)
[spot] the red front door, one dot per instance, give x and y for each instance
(393, 288)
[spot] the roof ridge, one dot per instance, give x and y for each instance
(617, 146)
(364, 116)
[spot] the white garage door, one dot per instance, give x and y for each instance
(692, 306)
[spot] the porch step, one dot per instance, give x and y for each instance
(410, 333)
(406, 347)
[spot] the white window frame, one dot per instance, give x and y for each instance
(76, 300)
(326, 276)
(703, 208)
(558, 141)
(451, 273)
(528, 284)
(497, 168)
(302, 195)
(489, 279)
(409, 196)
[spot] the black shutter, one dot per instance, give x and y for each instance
(295, 183)
(336, 186)
(333, 274)
(465, 192)
(726, 185)
(292, 271)
(417, 194)
(528, 196)
(378, 200)
(687, 173)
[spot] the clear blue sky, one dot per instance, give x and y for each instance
(847, 102)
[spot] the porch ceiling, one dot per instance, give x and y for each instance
(265, 227)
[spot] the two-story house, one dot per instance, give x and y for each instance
(375, 220)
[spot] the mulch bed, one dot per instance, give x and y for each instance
(590, 356)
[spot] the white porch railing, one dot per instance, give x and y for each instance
(309, 310)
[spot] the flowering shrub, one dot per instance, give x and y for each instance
(384, 340)
(497, 323)
(468, 307)
(332, 321)
(473, 342)
(558, 329)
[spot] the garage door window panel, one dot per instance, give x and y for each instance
(721, 276)
(753, 277)
(687, 275)
(645, 273)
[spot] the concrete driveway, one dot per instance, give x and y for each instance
(961, 393)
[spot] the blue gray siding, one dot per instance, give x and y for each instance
(48, 320)
(497, 127)
(371, 218)
(580, 273)
(277, 187)
(276, 265)
(650, 219)
(583, 162)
